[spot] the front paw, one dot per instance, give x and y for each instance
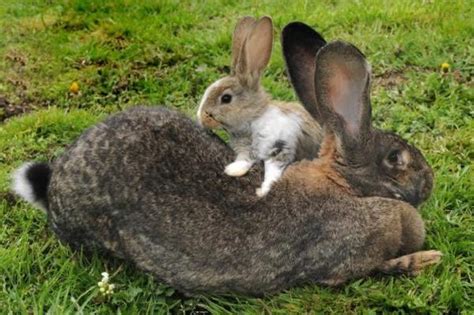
(237, 168)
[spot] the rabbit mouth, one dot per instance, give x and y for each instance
(210, 122)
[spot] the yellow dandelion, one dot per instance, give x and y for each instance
(445, 67)
(74, 88)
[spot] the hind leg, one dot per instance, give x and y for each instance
(273, 171)
(411, 264)
(413, 231)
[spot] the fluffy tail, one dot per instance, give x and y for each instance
(31, 181)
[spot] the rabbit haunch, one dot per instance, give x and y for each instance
(261, 129)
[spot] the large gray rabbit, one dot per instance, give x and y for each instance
(147, 185)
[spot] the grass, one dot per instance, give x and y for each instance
(122, 53)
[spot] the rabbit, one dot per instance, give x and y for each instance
(146, 185)
(260, 128)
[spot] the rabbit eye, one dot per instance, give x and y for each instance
(226, 99)
(393, 157)
(397, 158)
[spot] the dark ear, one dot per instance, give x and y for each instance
(256, 51)
(342, 83)
(300, 45)
(242, 29)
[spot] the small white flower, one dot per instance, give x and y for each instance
(105, 287)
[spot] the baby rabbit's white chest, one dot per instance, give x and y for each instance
(274, 129)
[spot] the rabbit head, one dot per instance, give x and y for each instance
(334, 86)
(237, 99)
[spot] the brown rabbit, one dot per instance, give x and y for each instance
(260, 128)
(146, 185)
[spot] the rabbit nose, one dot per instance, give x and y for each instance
(208, 120)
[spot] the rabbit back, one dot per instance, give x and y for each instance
(125, 159)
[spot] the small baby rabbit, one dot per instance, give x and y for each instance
(146, 185)
(261, 129)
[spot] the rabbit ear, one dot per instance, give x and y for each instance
(300, 45)
(241, 31)
(256, 51)
(342, 83)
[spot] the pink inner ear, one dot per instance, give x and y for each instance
(344, 95)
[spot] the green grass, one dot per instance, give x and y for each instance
(123, 53)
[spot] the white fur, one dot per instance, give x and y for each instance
(272, 126)
(238, 168)
(204, 99)
(273, 171)
(22, 187)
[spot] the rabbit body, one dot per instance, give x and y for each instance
(261, 129)
(181, 220)
(284, 133)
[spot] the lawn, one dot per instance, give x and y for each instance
(121, 53)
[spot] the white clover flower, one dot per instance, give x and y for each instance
(105, 287)
(105, 276)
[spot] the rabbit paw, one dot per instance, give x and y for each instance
(237, 168)
(261, 192)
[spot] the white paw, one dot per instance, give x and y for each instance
(237, 168)
(261, 192)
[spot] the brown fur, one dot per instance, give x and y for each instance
(319, 174)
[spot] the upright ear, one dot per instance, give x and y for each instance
(241, 31)
(256, 51)
(342, 86)
(300, 45)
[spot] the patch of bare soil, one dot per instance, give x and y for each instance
(389, 79)
(8, 110)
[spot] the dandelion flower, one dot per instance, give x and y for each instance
(445, 67)
(74, 88)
